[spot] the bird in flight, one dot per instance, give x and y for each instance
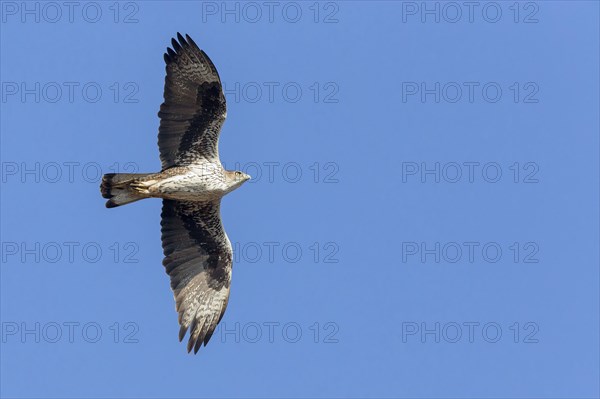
(198, 254)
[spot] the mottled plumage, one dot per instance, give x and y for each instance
(198, 254)
(194, 109)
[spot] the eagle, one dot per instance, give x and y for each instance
(197, 252)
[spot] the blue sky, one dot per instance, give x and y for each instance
(423, 220)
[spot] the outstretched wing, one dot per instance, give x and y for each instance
(198, 258)
(194, 108)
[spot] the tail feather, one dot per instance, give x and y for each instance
(117, 188)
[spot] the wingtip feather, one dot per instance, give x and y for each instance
(175, 45)
(191, 41)
(182, 332)
(198, 345)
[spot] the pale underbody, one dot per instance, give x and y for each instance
(202, 182)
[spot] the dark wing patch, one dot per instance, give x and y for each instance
(194, 107)
(198, 259)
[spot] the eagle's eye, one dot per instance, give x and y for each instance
(238, 173)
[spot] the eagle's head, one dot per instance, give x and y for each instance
(235, 178)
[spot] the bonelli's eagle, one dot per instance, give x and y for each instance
(198, 254)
